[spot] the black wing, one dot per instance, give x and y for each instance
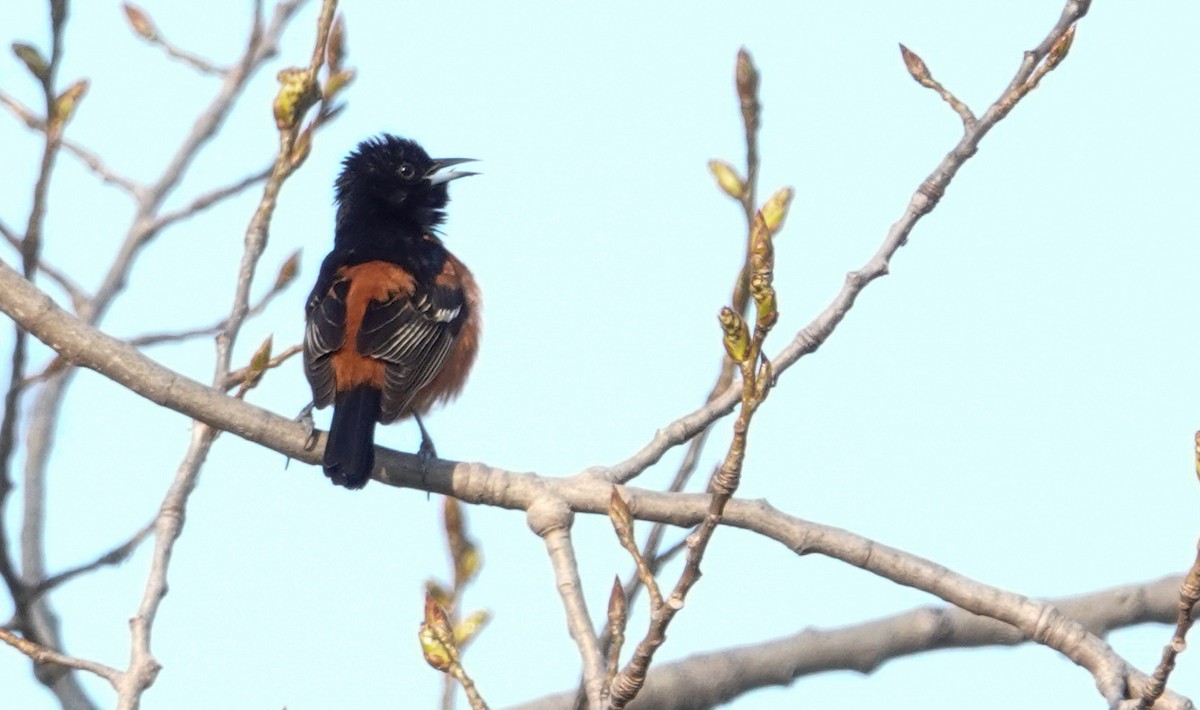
(324, 333)
(413, 335)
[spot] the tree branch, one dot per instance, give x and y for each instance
(73, 290)
(43, 415)
(551, 520)
(115, 556)
(478, 483)
(818, 331)
(168, 524)
(867, 646)
(42, 655)
(90, 159)
(33, 617)
(208, 199)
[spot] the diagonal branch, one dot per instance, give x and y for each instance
(90, 159)
(42, 417)
(168, 524)
(33, 617)
(42, 655)
(73, 290)
(481, 484)
(115, 556)
(208, 199)
(239, 376)
(818, 331)
(262, 45)
(867, 646)
(145, 28)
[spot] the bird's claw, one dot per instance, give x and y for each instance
(305, 417)
(427, 452)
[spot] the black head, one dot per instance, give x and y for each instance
(396, 176)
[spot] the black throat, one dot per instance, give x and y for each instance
(373, 230)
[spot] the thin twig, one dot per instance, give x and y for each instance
(814, 335)
(168, 525)
(39, 622)
(286, 162)
(195, 61)
(90, 159)
(746, 82)
(145, 28)
(33, 617)
(920, 72)
(73, 290)
(744, 347)
(238, 376)
(145, 227)
(208, 199)
(115, 556)
(149, 339)
(1189, 596)
(40, 654)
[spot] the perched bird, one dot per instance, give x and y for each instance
(392, 324)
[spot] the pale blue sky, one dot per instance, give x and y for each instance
(1015, 401)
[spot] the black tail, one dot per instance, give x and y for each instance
(350, 449)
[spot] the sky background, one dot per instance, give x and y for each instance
(1015, 401)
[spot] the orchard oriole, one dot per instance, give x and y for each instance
(392, 325)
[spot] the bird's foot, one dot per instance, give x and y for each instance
(305, 417)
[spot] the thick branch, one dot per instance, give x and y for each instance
(865, 647)
(551, 520)
(478, 483)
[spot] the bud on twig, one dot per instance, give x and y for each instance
(337, 81)
(916, 66)
(469, 628)
(1058, 51)
(335, 48)
(440, 594)
(67, 101)
(287, 271)
(746, 77)
(737, 335)
(622, 519)
(437, 637)
(33, 60)
(728, 179)
(297, 93)
(463, 552)
(140, 22)
(302, 148)
(776, 208)
(259, 362)
(618, 605)
(763, 294)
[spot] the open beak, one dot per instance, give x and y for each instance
(439, 174)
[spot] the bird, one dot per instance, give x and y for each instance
(392, 325)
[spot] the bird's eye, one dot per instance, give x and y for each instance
(407, 171)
